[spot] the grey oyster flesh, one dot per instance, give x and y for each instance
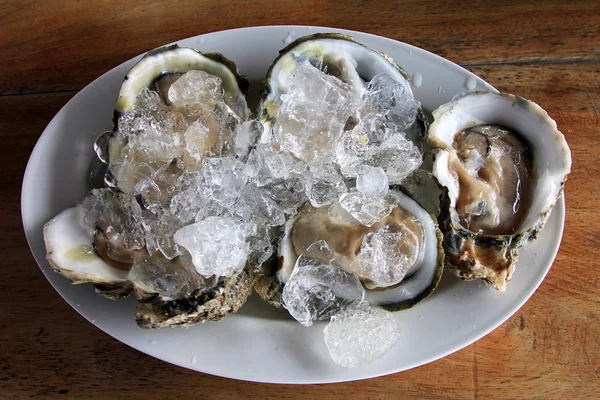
(502, 164)
(493, 167)
(164, 228)
(398, 260)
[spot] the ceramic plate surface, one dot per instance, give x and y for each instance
(261, 343)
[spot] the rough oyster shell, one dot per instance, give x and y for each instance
(473, 255)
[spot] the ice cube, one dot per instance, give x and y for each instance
(279, 163)
(154, 133)
(339, 215)
(260, 243)
(131, 177)
(387, 96)
(368, 210)
(372, 181)
(226, 173)
(254, 164)
(260, 206)
(186, 204)
(199, 143)
(163, 184)
(313, 113)
(117, 215)
(170, 279)
(322, 193)
(386, 257)
(196, 87)
(316, 291)
(288, 194)
(246, 136)
(398, 157)
(159, 231)
(217, 246)
(360, 334)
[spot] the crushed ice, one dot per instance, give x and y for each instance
(202, 192)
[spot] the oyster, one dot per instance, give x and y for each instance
(399, 260)
(340, 107)
(110, 238)
(503, 164)
(313, 134)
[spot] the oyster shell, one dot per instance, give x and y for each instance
(346, 238)
(355, 66)
(503, 164)
(103, 248)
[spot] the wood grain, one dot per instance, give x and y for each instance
(549, 53)
(59, 45)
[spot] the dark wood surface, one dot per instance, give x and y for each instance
(548, 52)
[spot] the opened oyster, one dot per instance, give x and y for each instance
(503, 164)
(177, 108)
(399, 259)
(348, 113)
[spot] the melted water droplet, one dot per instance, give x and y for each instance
(153, 342)
(417, 79)
(470, 83)
(78, 304)
(193, 360)
(93, 320)
(439, 89)
(201, 40)
(410, 52)
(309, 27)
(289, 38)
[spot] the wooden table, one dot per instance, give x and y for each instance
(549, 53)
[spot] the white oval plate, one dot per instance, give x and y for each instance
(261, 343)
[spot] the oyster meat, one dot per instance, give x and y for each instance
(503, 164)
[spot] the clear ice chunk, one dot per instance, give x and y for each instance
(339, 215)
(246, 137)
(386, 96)
(196, 87)
(254, 164)
(313, 113)
(385, 258)
(360, 335)
(217, 246)
(154, 133)
(170, 279)
(159, 231)
(288, 194)
(322, 193)
(372, 181)
(316, 291)
(280, 163)
(163, 184)
(187, 203)
(397, 155)
(368, 210)
(198, 143)
(131, 177)
(117, 215)
(260, 243)
(257, 204)
(225, 173)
